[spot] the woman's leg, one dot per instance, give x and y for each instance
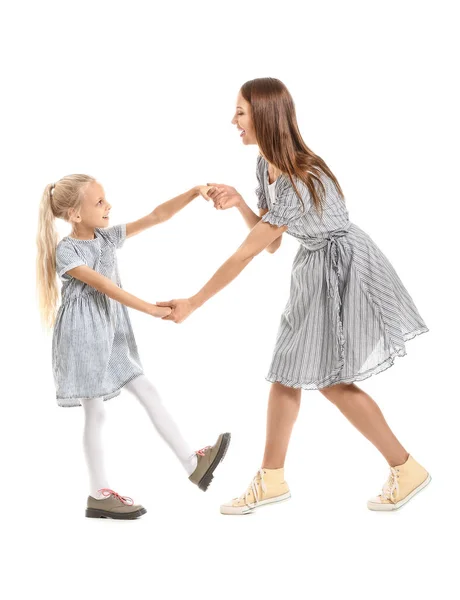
(92, 444)
(283, 408)
(147, 394)
(269, 485)
(361, 410)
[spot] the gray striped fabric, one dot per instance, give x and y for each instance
(93, 346)
(348, 314)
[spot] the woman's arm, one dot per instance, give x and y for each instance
(258, 239)
(163, 212)
(273, 247)
(249, 216)
(226, 196)
(109, 288)
(260, 236)
(251, 220)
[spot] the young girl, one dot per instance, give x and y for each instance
(348, 315)
(94, 352)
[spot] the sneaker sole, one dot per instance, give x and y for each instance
(205, 481)
(234, 510)
(389, 507)
(96, 513)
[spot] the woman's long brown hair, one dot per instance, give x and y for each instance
(279, 139)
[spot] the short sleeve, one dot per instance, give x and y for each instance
(116, 234)
(261, 200)
(66, 259)
(287, 208)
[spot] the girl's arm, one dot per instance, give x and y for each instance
(109, 288)
(163, 212)
(258, 239)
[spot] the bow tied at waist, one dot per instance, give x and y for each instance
(332, 253)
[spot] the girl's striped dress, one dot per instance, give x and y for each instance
(348, 315)
(94, 350)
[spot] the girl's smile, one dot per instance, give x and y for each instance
(95, 206)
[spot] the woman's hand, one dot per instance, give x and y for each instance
(203, 190)
(181, 309)
(159, 311)
(224, 196)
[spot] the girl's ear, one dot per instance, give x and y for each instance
(71, 214)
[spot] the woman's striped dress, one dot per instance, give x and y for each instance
(94, 350)
(348, 315)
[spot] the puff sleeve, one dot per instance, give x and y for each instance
(287, 208)
(66, 259)
(115, 234)
(261, 200)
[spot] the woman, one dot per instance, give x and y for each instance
(348, 315)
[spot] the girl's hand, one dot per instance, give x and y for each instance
(181, 309)
(224, 196)
(159, 311)
(203, 191)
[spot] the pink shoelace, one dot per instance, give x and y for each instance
(202, 452)
(125, 499)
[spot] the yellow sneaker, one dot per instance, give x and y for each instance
(403, 483)
(268, 486)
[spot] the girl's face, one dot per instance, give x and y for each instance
(243, 121)
(94, 209)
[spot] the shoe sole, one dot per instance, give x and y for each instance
(205, 481)
(231, 510)
(96, 513)
(390, 507)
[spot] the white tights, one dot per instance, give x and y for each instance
(150, 399)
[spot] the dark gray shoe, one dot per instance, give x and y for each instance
(113, 507)
(208, 460)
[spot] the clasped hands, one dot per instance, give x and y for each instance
(223, 197)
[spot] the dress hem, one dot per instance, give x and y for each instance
(383, 366)
(70, 402)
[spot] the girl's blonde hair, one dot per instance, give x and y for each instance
(58, 198)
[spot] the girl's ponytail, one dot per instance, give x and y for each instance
(47, 239)
(58, 198)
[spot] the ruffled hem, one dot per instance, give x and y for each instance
(332, 380)
(273, 219)
(72, 401)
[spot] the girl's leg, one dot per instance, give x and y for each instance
(283, 408)
(361, 410)
(148, 396)
(92, 444)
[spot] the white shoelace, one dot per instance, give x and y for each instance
(390, 490)
(253, 487)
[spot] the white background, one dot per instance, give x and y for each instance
(141, 95)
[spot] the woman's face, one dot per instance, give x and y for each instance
(243, 121)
